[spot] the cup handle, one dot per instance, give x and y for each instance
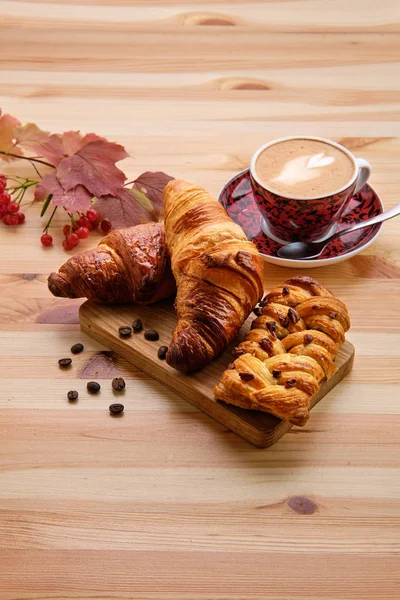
(364, 171)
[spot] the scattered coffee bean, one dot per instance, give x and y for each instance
(290, 383)
(125, 331)
(285, 291)
(116, 409)
(93, 387)
(246, 376)
(65, 362)
(76, 348)
(162, 352)
(276, 373)
(137, 325)
(118, 384)
(151, 335)
(308, 338)
(72, 395)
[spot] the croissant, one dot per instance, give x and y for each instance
(289, 349)
(217, 271)
(129, 265)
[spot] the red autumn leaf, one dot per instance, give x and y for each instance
(53, 148)
(31, 137)
(75, 199)
(122, 209)
(85, 167)
(152, 185)
(7, 128)
(93, 166)
(74, 141)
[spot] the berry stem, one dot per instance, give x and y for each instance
(37, 160)
(29, 183)
(35, 167)
(46, 204)
(50, 220)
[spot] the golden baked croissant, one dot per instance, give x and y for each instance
(218, 275)
(129, 265)
(289, 349)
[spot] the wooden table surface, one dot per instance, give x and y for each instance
(165, 503)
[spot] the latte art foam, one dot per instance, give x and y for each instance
(304, 168)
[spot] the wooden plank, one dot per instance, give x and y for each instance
(261, 429)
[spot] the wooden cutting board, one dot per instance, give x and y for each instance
(261, 429)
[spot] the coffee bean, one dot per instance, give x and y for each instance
(116, 409)
(118, 384)
(162, 352)
(137, 325)
(93, 387)
(65, 362)
(151, 335)
(72, 395)
(76, 348)
(125, 331)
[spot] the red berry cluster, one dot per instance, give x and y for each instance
(9, 211)
(78, 229)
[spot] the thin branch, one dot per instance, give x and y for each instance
(35, 167)
(51, 218)
(42, 162)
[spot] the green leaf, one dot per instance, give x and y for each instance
(142, 200)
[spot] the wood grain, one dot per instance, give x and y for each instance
(95, 507)
(260, 429)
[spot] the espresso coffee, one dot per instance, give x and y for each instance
(304, 168)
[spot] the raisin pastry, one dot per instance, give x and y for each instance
(288, 351)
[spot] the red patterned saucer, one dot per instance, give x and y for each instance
(238, 200)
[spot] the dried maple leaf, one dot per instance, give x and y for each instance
(31, 137)
(144, 202)
(76, 199)
(7, 128)
(93, 166)
(54, 148)
(151, 185)
(122, 209)
(85, 167)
